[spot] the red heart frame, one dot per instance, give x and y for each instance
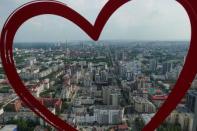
(35, 8)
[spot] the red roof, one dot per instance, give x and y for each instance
(158, 91)
(5, 81)
(145, 91)
(122, 127)
(159, 97)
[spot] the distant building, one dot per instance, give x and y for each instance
(167, 67)
(110, 95)
(143, 105)
(194, 84)
(191, 100)
(19, 110)
(87, 81)
(183, 118)
(40, 128)
(97, 78)
(109, 114)
(106, 91)
(158, 100)
(153, 65)
(195, 118)
(147, 117)
(84, 118)
(9, 128)
(127, 70)
(120, 128)
(115, 99)
(1, 111)
(141, 82)
(31, 61)
(13, 106)
(104, 76)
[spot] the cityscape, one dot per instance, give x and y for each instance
(117, 83)
(112, 85)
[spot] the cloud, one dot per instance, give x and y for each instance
(136, 20)
(149, 20)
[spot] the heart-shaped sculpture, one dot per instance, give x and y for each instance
(36, 8)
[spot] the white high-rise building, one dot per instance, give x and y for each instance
(109, 114)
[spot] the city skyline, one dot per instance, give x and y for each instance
(93, 86)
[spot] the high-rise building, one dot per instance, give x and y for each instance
(191, 104)
(104, 76)
(143, 105)
(153, 64)
(194, 84)
(167, 67)
(109, 114)
(110, 95)
(106, 92)
(115, 99)
(191, 100)
(195, 118)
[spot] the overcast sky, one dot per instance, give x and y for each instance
(136, 20)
